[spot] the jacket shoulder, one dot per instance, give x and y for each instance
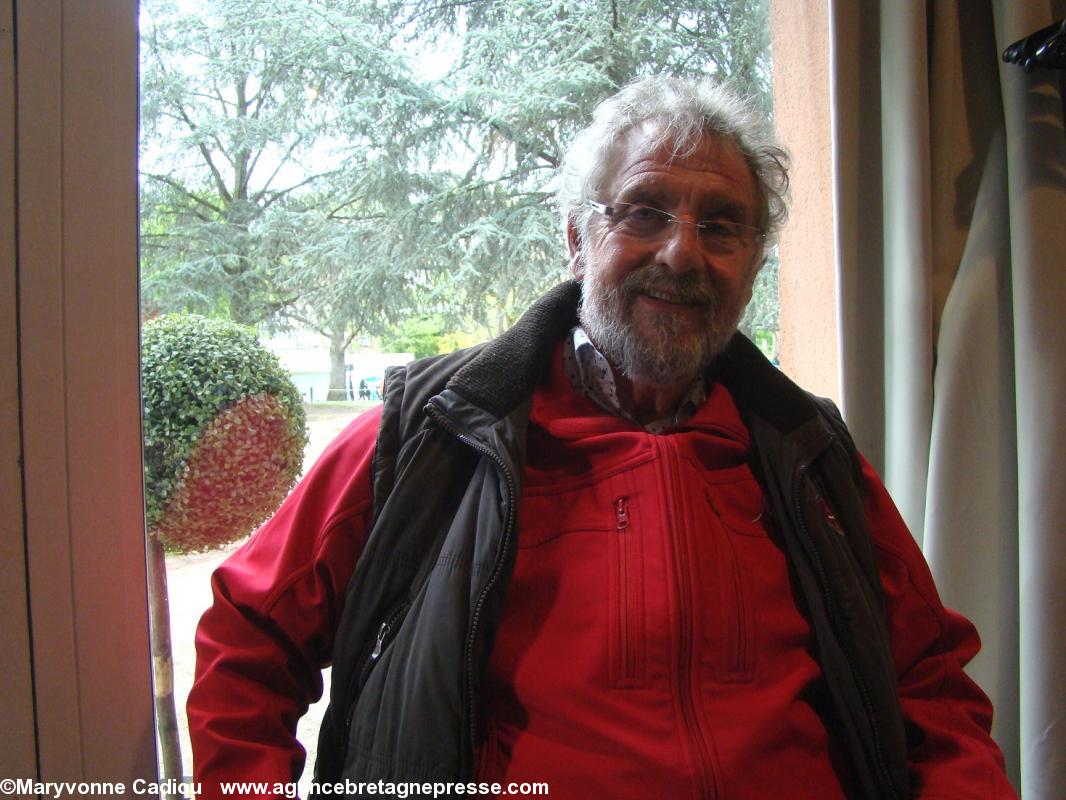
(407, 390)
(832, 416)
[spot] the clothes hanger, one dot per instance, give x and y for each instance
(1046, 49)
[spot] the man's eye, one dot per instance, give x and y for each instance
(718, 229)
(645, 218)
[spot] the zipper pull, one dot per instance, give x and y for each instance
(621, 508)
(829, 516)
(379, 644)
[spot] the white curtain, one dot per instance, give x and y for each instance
(950, 195)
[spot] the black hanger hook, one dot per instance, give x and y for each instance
(1046, 49)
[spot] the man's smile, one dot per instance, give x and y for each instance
(671, 297)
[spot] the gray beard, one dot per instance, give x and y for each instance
(672, 353)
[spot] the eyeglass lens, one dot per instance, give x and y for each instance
(647, 222)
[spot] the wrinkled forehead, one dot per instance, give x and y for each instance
(650, 153)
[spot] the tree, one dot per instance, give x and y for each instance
(248, 106)
(526, 75)
(219, 412)
(340, 163)
(426, 335)
(760, 319)
(341, 288)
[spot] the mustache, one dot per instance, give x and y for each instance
(690, 287)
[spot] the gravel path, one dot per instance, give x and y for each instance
(188, 581)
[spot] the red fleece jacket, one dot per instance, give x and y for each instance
(651, 644)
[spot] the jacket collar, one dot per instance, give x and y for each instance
(506, 370)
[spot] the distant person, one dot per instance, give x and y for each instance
(364, 392)
(614, 549)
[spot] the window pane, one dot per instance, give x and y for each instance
(363, 183)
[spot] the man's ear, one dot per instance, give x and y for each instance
(573, 246)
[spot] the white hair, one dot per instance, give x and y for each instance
(687, 112)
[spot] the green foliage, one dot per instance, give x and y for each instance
(341, 164)
(524, 76)
(250, 108)
(426, 335)
(761, 315)
(213, 397)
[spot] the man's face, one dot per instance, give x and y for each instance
(660, 308)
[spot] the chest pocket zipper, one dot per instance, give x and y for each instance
(626, 600)
(737, 627)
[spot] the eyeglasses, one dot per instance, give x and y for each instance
(648, 222)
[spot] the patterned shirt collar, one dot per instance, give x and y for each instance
(592, 376)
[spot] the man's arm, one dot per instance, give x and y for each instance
(947, 716)
(262, 644)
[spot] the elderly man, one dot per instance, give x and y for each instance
(614, 549)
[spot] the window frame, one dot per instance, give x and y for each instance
(78, 701)
(74, 235)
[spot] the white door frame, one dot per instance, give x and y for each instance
(78, 704)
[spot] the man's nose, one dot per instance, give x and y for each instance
(680, 250)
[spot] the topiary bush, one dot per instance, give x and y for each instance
(224, 431)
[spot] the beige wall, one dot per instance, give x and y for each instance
(807, 344)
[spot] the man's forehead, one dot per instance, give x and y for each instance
(645, 154)
(652, 136)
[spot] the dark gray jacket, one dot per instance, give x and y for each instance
(422, 608)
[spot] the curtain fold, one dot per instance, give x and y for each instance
(950, 197)
(907, 315)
